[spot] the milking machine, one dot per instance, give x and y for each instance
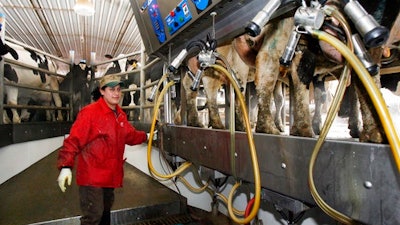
(175, 24)
(308, 20)
(206, 55)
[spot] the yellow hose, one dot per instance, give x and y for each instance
(325, 129)
(372, 89)
(186, 165)
(256, 170)
(193, 189)
(225, 200)
(181, 168)
(344, 80)
(380, 106)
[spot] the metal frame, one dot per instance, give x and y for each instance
(358, 179)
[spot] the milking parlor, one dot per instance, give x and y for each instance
(202, 112)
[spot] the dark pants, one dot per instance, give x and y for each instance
(96, 205)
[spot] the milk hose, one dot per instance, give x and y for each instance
(205, 187)
(379, 105)
(344, 79)
(256, 170)
(225, 200)
(193, 189)
(182, 167)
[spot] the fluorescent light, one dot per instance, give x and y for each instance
(84, 7)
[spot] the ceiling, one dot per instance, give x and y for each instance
(53, 27)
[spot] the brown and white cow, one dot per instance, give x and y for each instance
(264, 55)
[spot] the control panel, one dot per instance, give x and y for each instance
(167, 26)
(155, 18)
(178, 17)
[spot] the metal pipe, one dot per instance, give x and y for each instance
(142, 98)
(36, 50)
(2, 33)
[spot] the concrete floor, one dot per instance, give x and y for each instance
(33, 196)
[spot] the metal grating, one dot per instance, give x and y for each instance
(168, 220)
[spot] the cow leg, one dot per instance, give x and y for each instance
(6, 119)
(372, 129)
(242, 74)
(353, 110)
(25, 115)
(12, 99)
(279, 102)
(191, 105)
(211, 86)
(301, 115)
(266, 75)
(319, 100)
(56, 97)
(133, 113)
(252, 99)
(372, 126)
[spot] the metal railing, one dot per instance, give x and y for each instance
(143, 103)
(5, 83)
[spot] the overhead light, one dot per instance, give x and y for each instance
(84, 7)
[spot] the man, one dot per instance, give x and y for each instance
(97, 138)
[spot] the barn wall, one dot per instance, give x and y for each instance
(17, 157)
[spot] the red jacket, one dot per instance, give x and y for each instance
(98, 138)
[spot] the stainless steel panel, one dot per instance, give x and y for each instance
(358, 179)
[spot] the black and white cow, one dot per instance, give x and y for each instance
(76, 80)
(30, 77)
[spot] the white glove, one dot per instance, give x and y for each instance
(65, 175)
(154, 135)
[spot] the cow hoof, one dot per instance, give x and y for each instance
(267, 130)
(354, 129)
(280, 126)
(317, 125)
(302, 132)
(316, 129)
(195, 124)
(7, 121)
(354, 133)
(216, 125)
(374, 136)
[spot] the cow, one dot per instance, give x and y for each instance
(77, 81)
(267, 70)
(213, 81)
(356, 98)
(28, 76)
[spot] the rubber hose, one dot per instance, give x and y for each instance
(256, 170)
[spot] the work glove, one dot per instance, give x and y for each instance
(65, 175)
(154, 135)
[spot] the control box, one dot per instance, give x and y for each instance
(167, 27)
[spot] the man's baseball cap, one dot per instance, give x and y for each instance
(110, 81)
